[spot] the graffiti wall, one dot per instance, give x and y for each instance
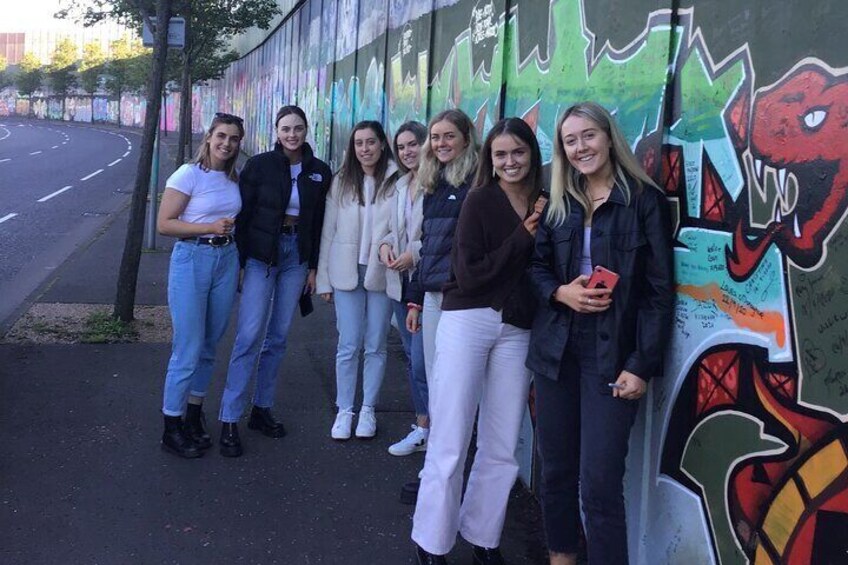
(740, 112)
(740, 454)
(128, 111)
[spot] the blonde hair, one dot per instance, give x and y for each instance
(566, 180)
(462, 167)
(203, 157)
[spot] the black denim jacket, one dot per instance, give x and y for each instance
(633, 240)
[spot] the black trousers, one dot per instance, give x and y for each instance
(582, 436)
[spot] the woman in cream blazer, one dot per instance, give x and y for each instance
(350, 273)
(400, 251)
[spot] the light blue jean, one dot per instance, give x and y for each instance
(202, 285)
(362, 319)
(269, 298)
(413, 346)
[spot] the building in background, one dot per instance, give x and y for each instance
(41, 40)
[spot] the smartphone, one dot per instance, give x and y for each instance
(602, 278)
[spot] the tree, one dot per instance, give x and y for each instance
(131, 258)
(128, 11)
(5, 75)
(92, 67)
(30, 76)
(209, 26)
(63, 66)
(128, 67)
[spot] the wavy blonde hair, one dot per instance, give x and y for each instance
(462, 167)
(203, 157)
(565, 179)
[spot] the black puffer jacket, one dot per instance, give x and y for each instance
(266, 184)
(441, 214)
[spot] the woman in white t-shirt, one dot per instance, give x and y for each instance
(351, 275)
(200, 202)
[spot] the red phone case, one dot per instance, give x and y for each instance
(602, 278)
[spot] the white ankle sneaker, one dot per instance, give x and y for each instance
(342, 425)
(415, 441)
(366, 428)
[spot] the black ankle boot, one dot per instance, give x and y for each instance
(486, 556)
(195, 426)
(262, 420)
(426, 558)
(176, 441)
(230, 441)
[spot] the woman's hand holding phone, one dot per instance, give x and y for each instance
(581, 299)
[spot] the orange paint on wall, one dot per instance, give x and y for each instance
(763, 322)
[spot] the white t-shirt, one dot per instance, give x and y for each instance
(212, 195)
(365, 213)
(293, 209)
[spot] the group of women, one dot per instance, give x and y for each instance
(488, 277)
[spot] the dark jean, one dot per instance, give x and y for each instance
(583, 434)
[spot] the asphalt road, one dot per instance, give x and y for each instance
(59, 183)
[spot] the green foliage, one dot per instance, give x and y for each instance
(63, 65)
(213, 23)
(92, 67)
(30, 76)
(5, 75)
(128, 67)
(102, 327)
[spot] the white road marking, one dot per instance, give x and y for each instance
(94, 174)
(57, 193)
(35, 152)
(115, 162)
(8, 133)
(55, 147)
(7, 217)
(4, 160)
(125, 154)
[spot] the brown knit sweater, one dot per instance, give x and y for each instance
(489, 260)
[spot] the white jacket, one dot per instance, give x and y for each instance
(338, 261)
(396, 235)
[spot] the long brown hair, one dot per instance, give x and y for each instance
(203, 157)
(351, 175)
(519, 129)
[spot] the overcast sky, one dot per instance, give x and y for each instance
(19, 15)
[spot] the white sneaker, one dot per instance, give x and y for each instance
(415, 441)
(342, 425)
(366, 428)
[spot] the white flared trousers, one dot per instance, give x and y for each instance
(479, 361)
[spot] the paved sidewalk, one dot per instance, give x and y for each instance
(82, 478)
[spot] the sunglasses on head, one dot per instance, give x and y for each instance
(228, 117)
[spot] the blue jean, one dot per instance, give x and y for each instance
(202, 285)
(269, 298)
(583, 434)
(413, 346)
(362, 319)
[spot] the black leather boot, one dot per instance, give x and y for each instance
(195, 426)
(176, 441)
(262, 420)
(230, 441)
(486, 556)
(426, 558)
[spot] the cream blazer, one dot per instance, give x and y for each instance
(396, 236)
(338, 260)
